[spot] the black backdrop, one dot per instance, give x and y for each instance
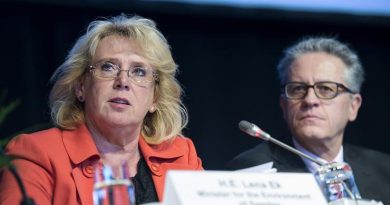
(226, 57)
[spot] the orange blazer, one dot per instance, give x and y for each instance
(56, 165)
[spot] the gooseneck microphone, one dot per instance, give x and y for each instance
(253, 130)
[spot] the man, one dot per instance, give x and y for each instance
(321, 80)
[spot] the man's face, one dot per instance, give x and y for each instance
(312, 120)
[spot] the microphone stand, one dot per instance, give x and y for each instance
(289, 148)
(253, 130)
(25, 199)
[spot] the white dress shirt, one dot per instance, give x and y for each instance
(312, 166)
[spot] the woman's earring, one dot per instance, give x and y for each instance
(81, 98)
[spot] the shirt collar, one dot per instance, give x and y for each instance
(79, 144)
(312, 166)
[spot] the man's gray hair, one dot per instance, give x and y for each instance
(354, 72)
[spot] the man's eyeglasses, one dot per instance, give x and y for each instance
(323, 90)
(139, 75)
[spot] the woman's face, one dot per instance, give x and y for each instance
(118, 102)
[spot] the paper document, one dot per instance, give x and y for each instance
(262, 168)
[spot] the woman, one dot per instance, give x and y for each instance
(115, 95)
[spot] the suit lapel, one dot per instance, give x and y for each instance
(362, 174)
(286, 161)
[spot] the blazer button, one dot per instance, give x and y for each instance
(89, 169)
(155, 167)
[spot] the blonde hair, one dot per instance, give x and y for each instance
(170, 116)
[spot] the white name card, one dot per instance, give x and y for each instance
(239, 188)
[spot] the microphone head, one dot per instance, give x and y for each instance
(252, 130)
(245, 125)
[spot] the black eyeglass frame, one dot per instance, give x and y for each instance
(340, 88)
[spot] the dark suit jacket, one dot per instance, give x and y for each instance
(371, 169)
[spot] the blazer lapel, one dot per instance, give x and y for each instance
(164, 150)
(83, 153)
(155, 155)
(84, 185)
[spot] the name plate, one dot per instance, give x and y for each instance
(239, 188)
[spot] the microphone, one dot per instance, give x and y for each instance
(253, 130)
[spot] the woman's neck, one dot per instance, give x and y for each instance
(114, 139)
(122, 148)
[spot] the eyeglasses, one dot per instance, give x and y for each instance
(139, 75)
(323, 90)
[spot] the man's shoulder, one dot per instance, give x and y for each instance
(366, 155)
(262, 153)
(371, 170)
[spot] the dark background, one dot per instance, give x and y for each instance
(226, 57)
